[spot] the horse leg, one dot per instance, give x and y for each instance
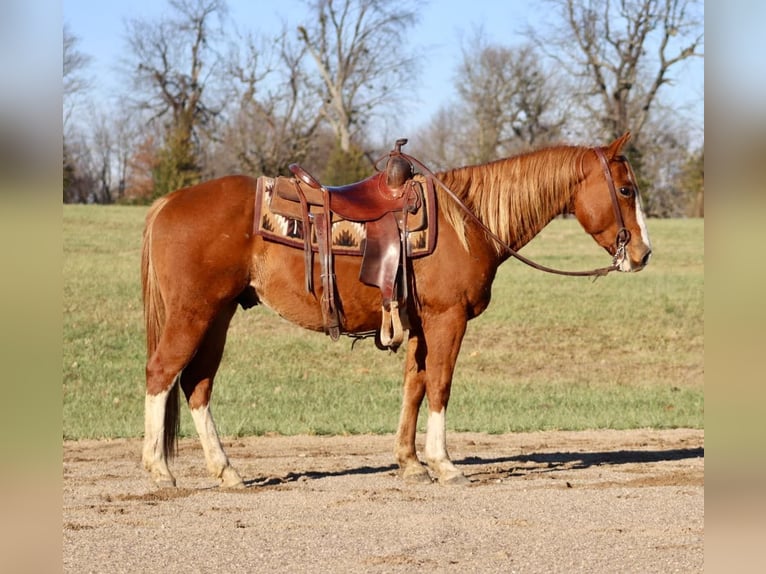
(178, 343)
(443, 335)
(197, 384)
(414, 390)
(154, 456)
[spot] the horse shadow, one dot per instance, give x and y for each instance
(316, 475)
(549, 462)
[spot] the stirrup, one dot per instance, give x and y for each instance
(391, 330)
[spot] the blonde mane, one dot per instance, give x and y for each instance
(515, 197)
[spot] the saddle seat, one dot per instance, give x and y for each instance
(365, 200)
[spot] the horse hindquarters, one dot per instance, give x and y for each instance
(188, 356)
(194, 264)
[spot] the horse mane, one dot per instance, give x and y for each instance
(516, 196)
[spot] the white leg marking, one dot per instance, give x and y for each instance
(436, 450)
(215, 457)
(154, 427)
(154, 458)
(436, 437)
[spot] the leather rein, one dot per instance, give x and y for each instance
(621, 240)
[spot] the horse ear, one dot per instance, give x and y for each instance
(616, 146)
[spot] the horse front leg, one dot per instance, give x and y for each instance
(443, 336)
(430, 364)
(414, 390)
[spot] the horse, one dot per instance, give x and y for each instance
(201, 260)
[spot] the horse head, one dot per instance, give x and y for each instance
(608, 206)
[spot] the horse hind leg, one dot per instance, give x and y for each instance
(197, 384)
(181, 336)
(158, 417)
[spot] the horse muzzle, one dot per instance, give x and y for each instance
(627, 264)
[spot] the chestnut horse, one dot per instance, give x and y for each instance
(201, 259)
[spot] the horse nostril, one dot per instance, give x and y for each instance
(646, 257)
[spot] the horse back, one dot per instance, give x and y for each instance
(224, 202)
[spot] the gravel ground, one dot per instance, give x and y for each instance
(593, 501)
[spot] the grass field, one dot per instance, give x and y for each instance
(551, 352)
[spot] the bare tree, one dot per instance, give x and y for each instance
(672, 173)
(173, 60)
(507, 103)
(440, 144)
(80, 179)
(509, 100)
(623, 52)
(74, 63)
(127, 131)
(77, 180)
(103, 148)
(360, 49)
(275, 118)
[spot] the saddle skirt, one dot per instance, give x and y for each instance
(279, 219)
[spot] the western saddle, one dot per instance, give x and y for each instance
(386, 203)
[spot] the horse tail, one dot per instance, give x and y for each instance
(154, 319)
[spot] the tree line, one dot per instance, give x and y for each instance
(203, 99)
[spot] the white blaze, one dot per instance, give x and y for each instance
(642, 223)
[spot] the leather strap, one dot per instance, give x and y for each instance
(623, 235)
(323, 228)
(308, 253)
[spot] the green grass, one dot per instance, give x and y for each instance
(551, 352)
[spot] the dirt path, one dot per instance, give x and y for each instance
(595, 501)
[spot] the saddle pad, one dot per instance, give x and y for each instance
(348, 237)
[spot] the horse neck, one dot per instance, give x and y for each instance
(515, 197)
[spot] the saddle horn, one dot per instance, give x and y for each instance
(398, 168)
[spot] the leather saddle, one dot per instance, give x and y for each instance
(390, 204)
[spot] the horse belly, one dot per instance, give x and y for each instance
(278, 276)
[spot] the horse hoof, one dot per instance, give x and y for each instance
(164, 481)
(416, 475)
(230, 479)
(458, 479)
(418, 479)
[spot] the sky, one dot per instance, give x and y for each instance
(440, 33)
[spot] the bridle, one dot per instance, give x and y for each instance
(621, 240)
(623, 234)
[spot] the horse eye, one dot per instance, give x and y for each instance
(626, 191)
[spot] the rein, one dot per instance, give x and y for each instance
(622, 239)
